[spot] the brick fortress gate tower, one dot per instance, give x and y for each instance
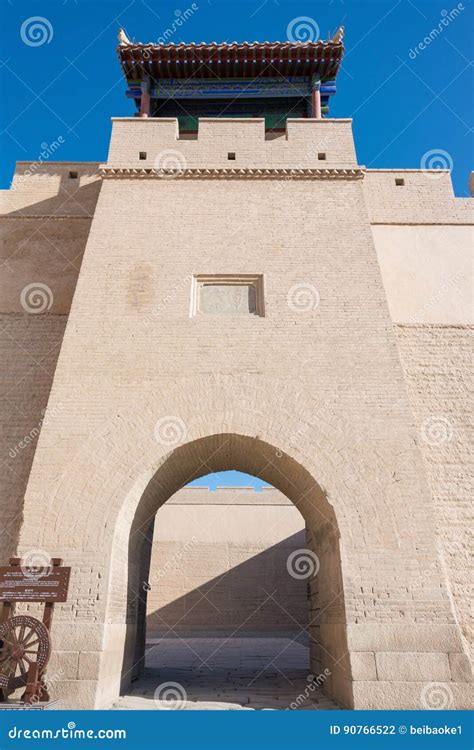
(230, 313)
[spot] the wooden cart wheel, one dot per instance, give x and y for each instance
(24, 640)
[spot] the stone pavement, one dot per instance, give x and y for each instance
(234, 674)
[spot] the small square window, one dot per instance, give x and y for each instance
(228, 294)
(73, 175)
(142, 155)
(399, 181)
(322, 156)
(231, 156)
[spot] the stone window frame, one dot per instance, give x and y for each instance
(231, 279)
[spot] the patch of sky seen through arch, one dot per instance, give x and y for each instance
(229, 479)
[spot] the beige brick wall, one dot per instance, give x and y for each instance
(438, 365)
(329, 406)
(425, 198)
(29, 351)
(427, 271)
(47, 190)
(219, 563)
(298, 148)
(40, 251)
(40, 255)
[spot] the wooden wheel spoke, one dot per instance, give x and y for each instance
(33, 643)
(25, 643)
(31, 634)
(13, 637)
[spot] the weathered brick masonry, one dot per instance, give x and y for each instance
(328, 404)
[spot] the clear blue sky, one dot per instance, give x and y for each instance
(404, 101)
(228, 479)
(402, 107)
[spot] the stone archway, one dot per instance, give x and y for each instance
(93, 484)
(328, 646)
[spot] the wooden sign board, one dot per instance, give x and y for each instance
(27, 585)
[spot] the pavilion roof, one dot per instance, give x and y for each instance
(231, 59)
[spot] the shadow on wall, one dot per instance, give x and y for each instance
(68, 196)
(258, 594)
(40, 253)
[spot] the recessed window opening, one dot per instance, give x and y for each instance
(73, 175)
(142, 155)
(399, 181)
(322, 156)
(227, 294)
(231, 156)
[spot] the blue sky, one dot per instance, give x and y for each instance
(405, 101)
(402, 106)
(228, 479)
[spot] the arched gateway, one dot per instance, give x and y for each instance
(230, 314)
(352, 495)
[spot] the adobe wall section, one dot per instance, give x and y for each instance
(427, 272)
(45, 221)
(132, 318)
(217, 556)
(426, 197)
(437, 362)
(47, 189)
(46, 251)
(333, 399)
(29, 348)
(424, 242)
(299, 147)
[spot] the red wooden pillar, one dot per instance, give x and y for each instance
(316, 98)
(145, 99)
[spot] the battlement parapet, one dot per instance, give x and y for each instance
(414, 196)
(231, 142)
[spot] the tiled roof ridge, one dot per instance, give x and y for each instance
(336, 40)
